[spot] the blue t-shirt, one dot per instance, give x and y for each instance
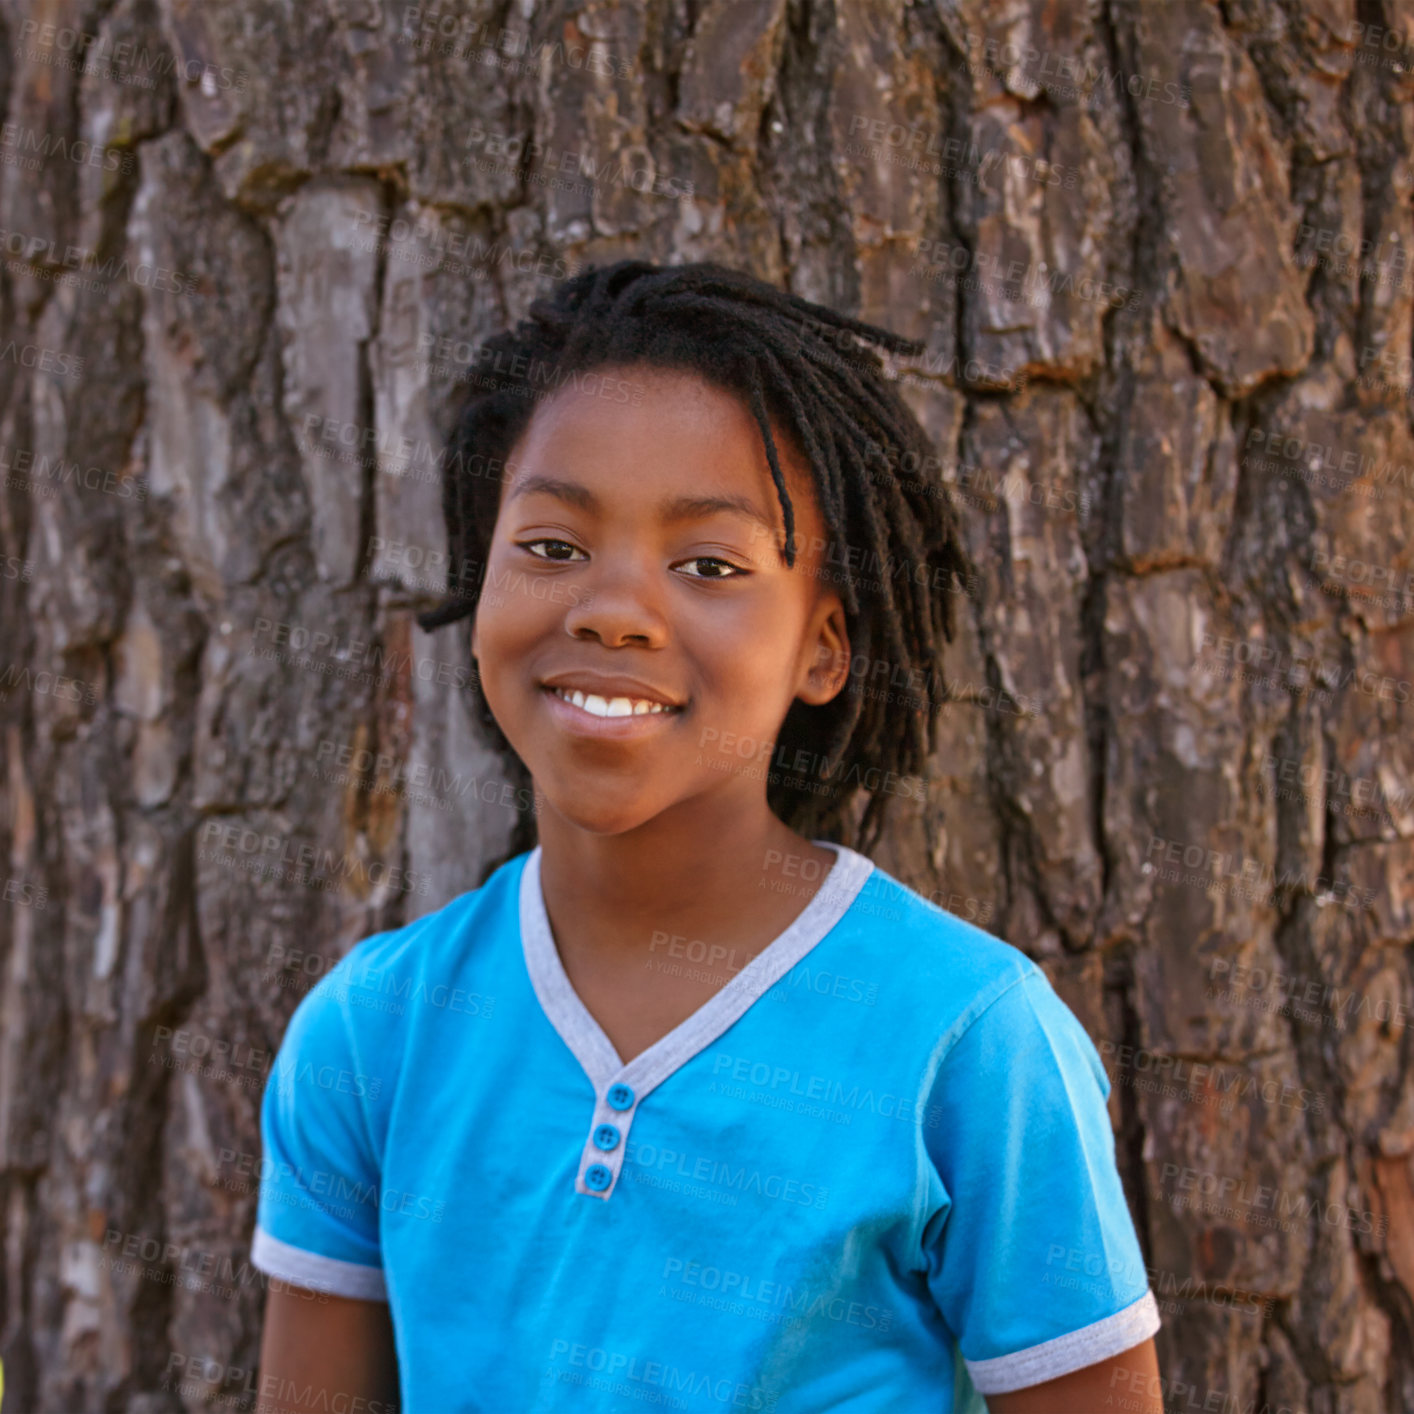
(874, 1173)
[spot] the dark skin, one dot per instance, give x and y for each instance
(666, 831)
(653, 835)
(314, 1350)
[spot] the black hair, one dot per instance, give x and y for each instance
(802, 366)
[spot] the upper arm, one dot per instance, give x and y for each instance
(1035, 1265)
(1127, 1383)
(321, 1119)
(321, 1352)
(328, 1335)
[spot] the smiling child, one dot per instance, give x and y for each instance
(690, 1104)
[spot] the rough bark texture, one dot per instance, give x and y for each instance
(1170, 390)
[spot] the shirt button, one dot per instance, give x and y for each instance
(620, 1097)
(606, 1136)
(597, 1177)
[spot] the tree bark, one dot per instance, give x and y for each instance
(1157, 249)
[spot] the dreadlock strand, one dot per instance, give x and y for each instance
(758, 409)
(819, 453)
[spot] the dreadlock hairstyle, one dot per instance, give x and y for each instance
(801, 366)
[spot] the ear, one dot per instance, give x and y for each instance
(827, 669)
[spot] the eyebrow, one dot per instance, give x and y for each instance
(673, 511)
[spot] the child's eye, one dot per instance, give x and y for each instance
(725, 570)
(529, 544)
(714, 560)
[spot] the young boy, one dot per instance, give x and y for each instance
(690, 1104)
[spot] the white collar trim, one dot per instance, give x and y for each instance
(586, 1039)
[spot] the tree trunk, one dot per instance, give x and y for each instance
(1158, 251)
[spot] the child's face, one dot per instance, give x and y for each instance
(638, 602)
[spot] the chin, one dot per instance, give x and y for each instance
(591, 810)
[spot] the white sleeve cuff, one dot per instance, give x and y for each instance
(301, 1268)
(1053, 1358)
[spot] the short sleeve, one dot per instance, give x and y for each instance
(1035, 1265)
(317, 1218)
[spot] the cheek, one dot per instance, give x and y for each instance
(499, 637)
(750, 665)
(508, 614)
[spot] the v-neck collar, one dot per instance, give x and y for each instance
(585, 1037)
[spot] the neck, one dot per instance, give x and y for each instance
(676, 875)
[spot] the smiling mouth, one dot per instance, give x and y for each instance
(597, 706)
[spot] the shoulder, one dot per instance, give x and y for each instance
(357, 1005)
(438, 940)
(934, 960)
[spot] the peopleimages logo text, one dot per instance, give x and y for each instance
(705, 1169)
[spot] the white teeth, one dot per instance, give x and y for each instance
(609, 706)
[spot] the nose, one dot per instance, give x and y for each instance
(620, 604)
